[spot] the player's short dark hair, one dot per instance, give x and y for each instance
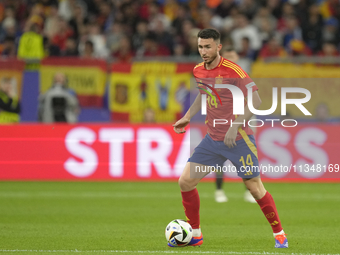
(208, 33)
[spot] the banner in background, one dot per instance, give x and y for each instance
(149, 91)
(87, 77)
(323, 82)
(12, 69)
(155, 152)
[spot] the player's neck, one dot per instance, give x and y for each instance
(213, 64)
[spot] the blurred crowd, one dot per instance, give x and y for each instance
(124, 29)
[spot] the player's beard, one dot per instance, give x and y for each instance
(212, 59)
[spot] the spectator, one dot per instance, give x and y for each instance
(331, 31)
(224, 8)
(88, 51)
(246, 51)
(140, 35)
(78, 21)
(329, 50)
(64, 32)
(249, 8)
(9, 102)
(116, 33)
(58, 104)
(31, 44)
(151, 48)
(272, 48)
(71, 49)
(163, 37)
(98, 40)
(155, 15)
(312, 29)
(293, 32)
(51, 26)
(124, 52)
(9, 48)
(244, 29)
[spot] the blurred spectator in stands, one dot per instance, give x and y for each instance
(140, 35)
(329, 50)
(8, 22)
(322, 112)
(31, 44)
(191, 48)
(298, 48)
(181, 16)
(9, 48)
(292, 32)
(9, 102)
(163, 37)
(312, 28)
(179, 50)
(115, 35)
(266, 30)
(246, 51)
(155, 15)
(105, 17)
(288, 11)
(208, 19)
(170, 8)
(230, 54)
(71, 49)
(58, 104)
(130, 16)
(275, 7)
(66, 8)
(78, 21)
(124, 52)
(249, 8)
(224, 8)
(244, 29)
(52, 21)
(263, 14)
(88, 51)
(228, 22)
(64, 32)
(331, 31)
(98, 40)
(151, 48)
(272, 48)
(330, 8)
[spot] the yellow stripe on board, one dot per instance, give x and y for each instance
(206, 122)
(248, 142)
(236, 66)
(234, 70)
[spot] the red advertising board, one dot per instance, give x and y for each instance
(155, 152)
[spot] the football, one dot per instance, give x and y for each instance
(178, 233)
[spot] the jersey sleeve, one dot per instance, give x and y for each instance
(246, 83)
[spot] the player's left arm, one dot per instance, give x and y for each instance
(231, 134)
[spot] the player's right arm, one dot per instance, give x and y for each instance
(183, 122)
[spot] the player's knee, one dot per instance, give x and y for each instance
(185, 184)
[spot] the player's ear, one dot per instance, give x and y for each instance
(219, 47)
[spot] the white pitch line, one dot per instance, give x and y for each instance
(170, 252)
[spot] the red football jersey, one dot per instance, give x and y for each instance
(226, 72)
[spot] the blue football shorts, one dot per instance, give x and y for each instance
(215, 153)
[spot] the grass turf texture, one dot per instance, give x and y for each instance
(123, 217)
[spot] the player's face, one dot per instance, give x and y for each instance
(208, 49)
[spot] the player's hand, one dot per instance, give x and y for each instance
(230, 137)
(180, 125)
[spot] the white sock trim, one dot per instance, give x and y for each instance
(280, 233)
(196, 232)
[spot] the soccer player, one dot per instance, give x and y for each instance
(234, 142)
(220, 197)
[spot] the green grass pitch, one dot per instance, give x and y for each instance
(130, 218)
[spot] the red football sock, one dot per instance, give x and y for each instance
(191, 203)
(268, 208)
